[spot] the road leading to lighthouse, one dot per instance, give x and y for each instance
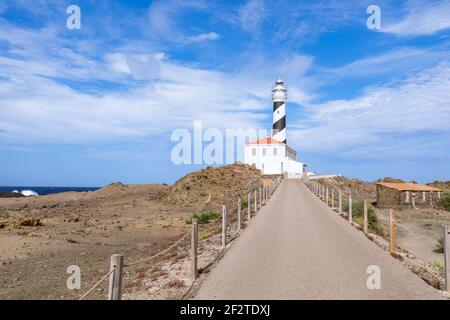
(298, 248)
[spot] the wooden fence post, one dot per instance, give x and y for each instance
(260, 198)
(194, 250)
(366, 223)
(340, 202)
(265, 195)
(328, 202)
(392, 231)
(224, 226)
(447, 257)
(115, 279)
(248, 206)
(332, 198)
(239, 215)
(350, 209)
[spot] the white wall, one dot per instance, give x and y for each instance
(270, 163)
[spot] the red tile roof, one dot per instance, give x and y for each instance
(407, 186)
(268, 140)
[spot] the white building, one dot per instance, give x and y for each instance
(273, 157)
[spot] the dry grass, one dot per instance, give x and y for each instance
(176, 284)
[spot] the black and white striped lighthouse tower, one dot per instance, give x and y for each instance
(279, 96)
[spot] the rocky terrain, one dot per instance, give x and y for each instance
(11, 195)
(209, 188)
(41, 236)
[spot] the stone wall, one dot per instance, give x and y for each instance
(388, 198)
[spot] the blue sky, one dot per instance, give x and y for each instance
(92, 106)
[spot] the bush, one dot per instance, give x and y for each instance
(203, 218)
(439, 248)
(440, 266)
(444, 202)
(358, 216)
(244, 203)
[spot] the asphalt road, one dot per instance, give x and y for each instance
(298, 248)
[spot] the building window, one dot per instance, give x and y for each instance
(275, 150)
(264, 151)
(253, 151)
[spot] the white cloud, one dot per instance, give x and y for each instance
(38, 106)
(384, 118)
(398, 63)
(118, 62)
(164, 17)
(60, 114)
(203, 37)
(423, 18)
(251, 15)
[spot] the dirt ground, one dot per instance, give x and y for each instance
(41, 236)
(81, 229)
(418, 230)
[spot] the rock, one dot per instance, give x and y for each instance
(11, 195)
(24, 222)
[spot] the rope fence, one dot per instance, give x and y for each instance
(97, 284)
(231, 211)
(322, 192)
(158, 254)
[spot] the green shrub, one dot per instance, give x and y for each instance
(439, 248)
(440, 266)
(358, 216)
(203, 218)
(244, 203)
(444, 202)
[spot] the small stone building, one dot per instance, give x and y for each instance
(396, 195)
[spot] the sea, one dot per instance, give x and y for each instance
(42, 191)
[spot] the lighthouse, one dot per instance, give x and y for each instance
(272, 155)
(279, 96)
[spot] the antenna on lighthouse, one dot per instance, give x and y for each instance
(279, 96)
